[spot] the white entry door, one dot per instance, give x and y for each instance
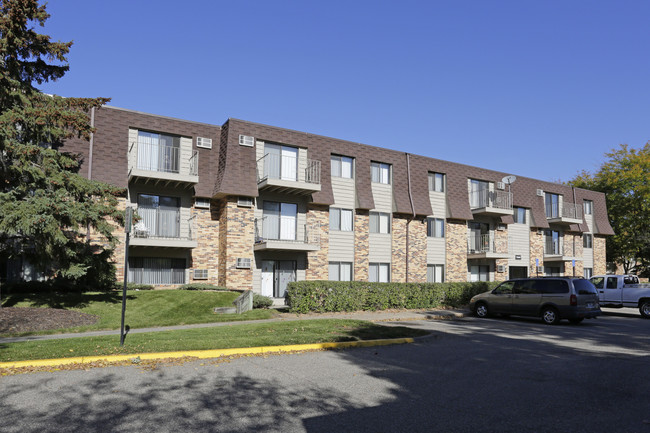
(268, 277)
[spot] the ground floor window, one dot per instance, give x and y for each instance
(589, 272)
(340, 271)
(156, 270)
(479, 273)
(379, 273)
(435, 273)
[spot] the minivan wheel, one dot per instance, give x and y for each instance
(481, 310)
(644, 308)
(550, 316)
(576, 320)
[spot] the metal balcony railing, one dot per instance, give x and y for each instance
(273, 166)
(570, 210)
(495, 199)
(477, 243)
(285, 230)
(161, 158)
(552, 247)
(156, 223)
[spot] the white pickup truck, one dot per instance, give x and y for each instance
(617, 291)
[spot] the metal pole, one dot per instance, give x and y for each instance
(128, 217)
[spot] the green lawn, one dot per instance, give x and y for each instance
(236, 335)
(143, 308)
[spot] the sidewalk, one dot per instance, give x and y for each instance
(371, 316)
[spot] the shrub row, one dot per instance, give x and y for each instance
(329, 296)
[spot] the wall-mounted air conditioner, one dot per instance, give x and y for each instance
(245, 201)
(243, 263)
(200, 274)
(203, 142)
(246, 140)
(501, 268)
(540, 192)
(501, 185)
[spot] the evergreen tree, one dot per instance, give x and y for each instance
(47, 209)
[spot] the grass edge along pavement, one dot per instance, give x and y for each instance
(204, 354)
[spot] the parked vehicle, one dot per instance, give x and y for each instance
(551, 298)
(618, 291)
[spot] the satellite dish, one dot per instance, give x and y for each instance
(509, 179)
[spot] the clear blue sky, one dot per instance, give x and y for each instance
(534, 88)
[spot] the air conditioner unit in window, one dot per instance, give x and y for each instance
(203, 142)
(245, 201)
(246, 140)
(501, 185)
(501, 268)
(203, 203)
(200, 274)
(540, 269)
(243, 263)
(540, 192)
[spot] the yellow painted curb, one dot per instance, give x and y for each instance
(203, 354)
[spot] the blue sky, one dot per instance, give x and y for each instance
(533, 88)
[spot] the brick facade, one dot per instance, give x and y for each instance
(206, 254)
(317, 263)
(456, 250)
(600, 261)
(237, 237)
(361, 245)
(409, 250)
(536, 251)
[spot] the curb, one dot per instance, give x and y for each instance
(204, 354)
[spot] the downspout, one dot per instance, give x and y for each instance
(408, 222)
(90, 160)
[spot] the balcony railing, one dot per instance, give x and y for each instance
(273, 166)
(567, 210)
(155, 157)
(480, 243)
(156, 223)
(552, 247)
(490, 199)
(285, 230)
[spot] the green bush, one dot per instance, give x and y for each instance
(201, 286)
(329, 296)
(260, 301)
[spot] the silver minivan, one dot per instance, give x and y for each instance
(551, 298)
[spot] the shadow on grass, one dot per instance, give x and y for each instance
(62, 300)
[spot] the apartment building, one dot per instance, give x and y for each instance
(251, 206)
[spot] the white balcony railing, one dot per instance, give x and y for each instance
(156, 223)
(490, 199)
(552, 247)
(480, 243)
(273, 166)
(285, 230)
(165, 159)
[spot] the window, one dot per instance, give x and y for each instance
(520, 215)
(341, 219)
(158, 152)
(379, 222)
(435, 273)
(279, 221)
(589, 207)
(340, 271)
(341, 166)
(552, 202)
(437, 182)
(156, 270)
(379, 273)
(588, 273)
(159, 216)
(552, 244)
(435, 228)
(379, 172)
(479, 193)
(587, 240)
(479, 273)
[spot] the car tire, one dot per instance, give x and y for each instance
(550, 316)
(481, 310)
(576, 320)
(644, 308)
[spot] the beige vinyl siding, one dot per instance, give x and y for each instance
(383, 196)
(344, 192)
(588, 253)
(436, 246)
(380, 244)
(302, 164)
(341, 244)
(519, 242)
(185, 155)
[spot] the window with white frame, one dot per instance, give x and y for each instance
(341, 219)
(435, 227)
(588, 272)
(519, 215)
(437, 182)
(380, 172)
(587, 240)
(379, 222)
(379, 273)
(342, 166)
(435, 273)
(340, 271)
(589, 207)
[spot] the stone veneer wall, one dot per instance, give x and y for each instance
(600, 260)
(536, 251)
(317, 261)
(501, 246)
(206, 254)
(416, 259)
(456, 250)
(120, 250)
(361, 245)
(236, 240)
(571, 239)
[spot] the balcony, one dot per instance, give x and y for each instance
(566, 214)
(483, 246)
(288, 174)
(160, 163)
(163, 228)
(553, 252)
(486, 202)
(276, 234)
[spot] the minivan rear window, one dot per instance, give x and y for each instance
(584, 287)
(552, 286)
